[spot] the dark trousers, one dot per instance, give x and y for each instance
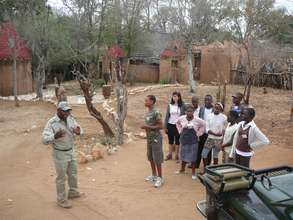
(202, 140)
(173, 135)
(243, 161)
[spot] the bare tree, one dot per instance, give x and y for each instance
(250, 21)
(88, 92)
(131, 17)
(36, 32)
(122, 98)
(195, 22)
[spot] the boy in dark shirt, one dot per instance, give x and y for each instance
(153, 125)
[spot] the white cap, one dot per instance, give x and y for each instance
(64, 106)
(220, 104)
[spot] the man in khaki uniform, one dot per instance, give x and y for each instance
(59, 132)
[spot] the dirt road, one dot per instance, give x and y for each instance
(114, 186)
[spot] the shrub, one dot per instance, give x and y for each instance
(98, 83)
(166, 80)
(107, 141)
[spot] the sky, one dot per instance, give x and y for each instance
(288, 4)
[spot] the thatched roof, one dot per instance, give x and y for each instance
(7, 32)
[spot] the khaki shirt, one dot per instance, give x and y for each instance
(64, 143)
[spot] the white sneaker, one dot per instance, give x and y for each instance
(159, 182)
(151, 178)
(193, 177)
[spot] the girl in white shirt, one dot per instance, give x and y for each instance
(175, 109)
(229, 136)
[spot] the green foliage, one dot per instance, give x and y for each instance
(107, 141)
(98, 83)
(166, 80)
(85, 32)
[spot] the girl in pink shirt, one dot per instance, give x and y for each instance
(190, 128)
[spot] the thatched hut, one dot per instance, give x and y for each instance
(23, 67)
(210, 62)
(173, 63)
(144, 68)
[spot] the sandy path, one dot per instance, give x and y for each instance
(114, 186)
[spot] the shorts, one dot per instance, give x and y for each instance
(155, 150)
(225, 155)
(211, 144)
(173, 134)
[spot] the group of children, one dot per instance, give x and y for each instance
(200, 133)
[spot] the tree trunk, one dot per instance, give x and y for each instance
(190, 70)
(248, 91)
(122, 99)
(219, 87)
(12, 45)
(39, 76)
(224, 94)
(85, 87)
(249, 79)
(15, 77)
(291, 113)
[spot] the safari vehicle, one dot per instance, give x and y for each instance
(234, 192)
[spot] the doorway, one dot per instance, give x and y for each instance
(197, 64)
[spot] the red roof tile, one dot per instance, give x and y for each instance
(7, 31)
(168, 53)
(116, 51)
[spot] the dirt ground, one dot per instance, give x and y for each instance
(114, 186)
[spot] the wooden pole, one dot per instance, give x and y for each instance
(190, 69)
(291, 101)
(12, 45)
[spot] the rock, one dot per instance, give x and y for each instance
(96, 153)
(33, 127)
(110, 150)
(98, 146)
(82, 157)
(89, 157)
(141, 135)
(129, 140)
(89, 168)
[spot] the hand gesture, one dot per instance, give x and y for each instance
(76, 130)
(59, 134)
(223, 147)
(231, 158)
